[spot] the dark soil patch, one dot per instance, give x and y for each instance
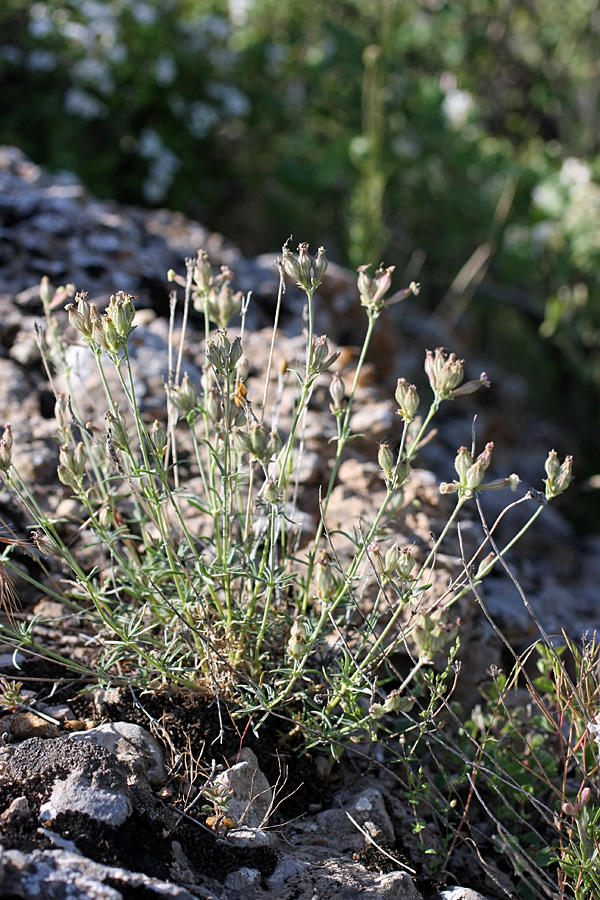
(145, 842)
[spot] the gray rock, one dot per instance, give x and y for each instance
(252, 838)
(80, 777)
(460, 893)
(336, 879)
(76, 794)
(250, 795)
(336, 828)
(242, 879)
(59, 875)
(394, 886)
(134, 747)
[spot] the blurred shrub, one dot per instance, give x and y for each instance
(428, 131)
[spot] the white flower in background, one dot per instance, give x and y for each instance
(40, 28)
(163, 164)
(144, 13)
(574, 172)
(165, 70)
(201, 118)
(457, 107)
(95, 72)
(80, 103)
(239, 11)
(233, 102)
(41, 61)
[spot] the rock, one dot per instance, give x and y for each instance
(77, 777)
(59, 875)
(376, 419)
(77, 794)
(18, 808)
(336, 828)
(336, 879)
(460, 893)
(134, 747)
(252, 837)
(242, 879)
(394, 886)
(25, 724)
(250, 795)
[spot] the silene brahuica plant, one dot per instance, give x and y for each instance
(205, 580)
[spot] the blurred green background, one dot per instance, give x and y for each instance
(456, 139)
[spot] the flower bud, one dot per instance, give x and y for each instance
(121, 312)
(158, 437)
(270, 492)
(463, 463)
(46, 292)
(475, 472)
(319, 267)
(305, 263)
(306, 271)
(214, 405)
(113, 341)
(395, 702)
(445, 372)
(222, 305)
(83, 316)
(337, 391)
(106, 515)
(184, 397)
(373, 290)
(241, 441)
(243, 368)
(401, 473)
(215, 357)
(46, 544)
(432, 633)
(377, 558)
(273, 444)
(385, 458)
(474, 476)
(61, 408)
(291, 267)
(449, 487)
(498, 484)
(73, 461)
(485, 566)
(324, 579)
(552, 465)
(259, 441)
(116, 427)
(6, 443)
(559, 475)
(296, 646)
(320, 351)
(469, 387)
(202, 272)
(405, 564)
(235, 354)
(407, 399)
(7, 436)
(392, 557)
(67, 478)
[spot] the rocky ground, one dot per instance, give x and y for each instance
(97, 793)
